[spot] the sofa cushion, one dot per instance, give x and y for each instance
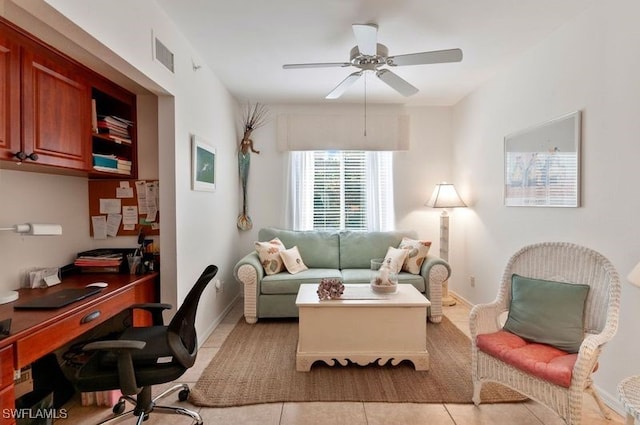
(286, 283)
(357, 249)
(269, 253)
(541, 360)
(418, 251)
(547, 312)
(292, 260)
(318, 249)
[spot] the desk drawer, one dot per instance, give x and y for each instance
(6, 367)
(36, 345)
(7, 403)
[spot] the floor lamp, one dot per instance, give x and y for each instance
(445, 196)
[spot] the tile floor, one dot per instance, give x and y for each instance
(528, 413)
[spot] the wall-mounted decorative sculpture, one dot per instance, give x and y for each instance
(254, 116)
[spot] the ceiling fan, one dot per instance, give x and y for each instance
(369, 55)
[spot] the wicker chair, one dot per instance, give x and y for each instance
(554, 261)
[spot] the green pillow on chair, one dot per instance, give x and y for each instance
(547, 312)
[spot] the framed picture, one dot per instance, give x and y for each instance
(542, 164)
(203, 165)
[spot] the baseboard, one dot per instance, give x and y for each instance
(460, 299)
(215, 323)
(610, 400)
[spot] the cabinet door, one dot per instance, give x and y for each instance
(56, 111)
(9, 96)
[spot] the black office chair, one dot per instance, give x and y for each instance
(145, 356)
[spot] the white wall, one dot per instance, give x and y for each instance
(198, 228)
(416, 171)
(589, 65)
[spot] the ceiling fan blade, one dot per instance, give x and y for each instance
(316, 65)
(424, 58)
(344, 85)
(396, 83)
(367, 38)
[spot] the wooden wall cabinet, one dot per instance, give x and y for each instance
(46, 116)
(56, 111)
(9, 95)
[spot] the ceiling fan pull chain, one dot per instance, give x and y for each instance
(365, 104)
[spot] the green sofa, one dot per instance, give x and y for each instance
(344, 255)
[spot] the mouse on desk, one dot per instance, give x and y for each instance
(98, 285)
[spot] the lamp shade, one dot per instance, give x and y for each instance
(634, 276)
(445, 196)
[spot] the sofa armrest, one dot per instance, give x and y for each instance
(435, 272)
(249, 272)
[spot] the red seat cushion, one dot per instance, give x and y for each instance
(541, 360)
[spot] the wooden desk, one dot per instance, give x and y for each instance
(35, 333)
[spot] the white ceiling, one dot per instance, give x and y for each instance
(246, 42)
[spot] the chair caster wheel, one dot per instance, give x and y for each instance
(146, 417)
(118, 408)
(183, 395)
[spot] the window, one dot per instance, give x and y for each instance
(332, 190)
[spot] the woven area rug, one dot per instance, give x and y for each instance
(256, 364)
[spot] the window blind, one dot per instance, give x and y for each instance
(348, 190)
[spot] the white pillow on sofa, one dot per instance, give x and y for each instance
(417, 253)
(292, 260)
(269, 253)
(395, 258)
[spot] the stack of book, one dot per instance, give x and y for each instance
(99, 262)
(115, 128)
(111, 164)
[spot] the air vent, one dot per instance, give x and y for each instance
(164, 55)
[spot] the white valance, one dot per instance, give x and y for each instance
(302, 132)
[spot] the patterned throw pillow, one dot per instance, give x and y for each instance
(395, 258)
(292, 260)
(269, 253)
(418, 251)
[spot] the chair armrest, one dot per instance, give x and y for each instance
(249, 272)
(588, 356)
(123, 348)
(435, 272)
(155, 309)
(483, 318)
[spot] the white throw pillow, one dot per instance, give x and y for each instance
(292, 260)
(395, 258)
(418, 251)
(269, 253)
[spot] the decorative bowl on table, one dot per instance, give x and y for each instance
(384, 289)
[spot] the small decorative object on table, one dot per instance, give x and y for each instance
(383, 279)
(330, 289)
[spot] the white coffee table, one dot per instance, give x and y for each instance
(362, 327)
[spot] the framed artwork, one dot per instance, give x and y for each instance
(203, 165)
(542, 164)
